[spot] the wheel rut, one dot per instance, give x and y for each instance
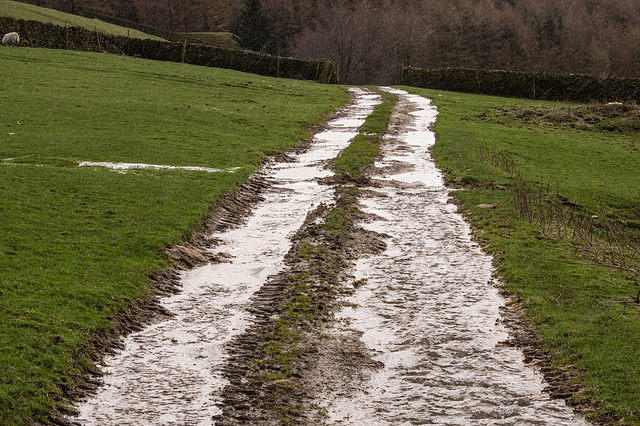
(392, 317)
(174, 371)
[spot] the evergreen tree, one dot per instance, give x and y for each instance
(253, 29)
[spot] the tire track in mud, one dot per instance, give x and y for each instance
(173, 371)
(291, 312)
(406, 325)
(414, 337)
(429, 311)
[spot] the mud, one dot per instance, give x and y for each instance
(429, 311)
(405, 324)
(263, 390)
(172, 371)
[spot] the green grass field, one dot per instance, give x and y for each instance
(221, 39)
(585, 313)
(78, 244)
(28, 12)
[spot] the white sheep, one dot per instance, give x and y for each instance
(11, 39)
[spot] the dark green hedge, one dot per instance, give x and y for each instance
(41, 34)
(557, 87)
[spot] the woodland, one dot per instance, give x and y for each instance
(371, 40)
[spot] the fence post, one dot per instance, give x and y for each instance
(184, 50)
(66, 35)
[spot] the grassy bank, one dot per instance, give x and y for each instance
(552, 192)
(221, 39)
(78, 244)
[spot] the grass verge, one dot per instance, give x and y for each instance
(78, 244)
(582, 306)
(220, 39)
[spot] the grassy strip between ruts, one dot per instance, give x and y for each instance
(533, 190)
(337, 221)
(78, 244)
(319, 262)
(365, 147)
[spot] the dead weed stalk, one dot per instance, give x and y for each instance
(596, 231)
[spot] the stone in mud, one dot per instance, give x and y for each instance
(187, 255)
(223, 257)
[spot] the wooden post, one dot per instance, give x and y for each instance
(184, 50)
(66, 34)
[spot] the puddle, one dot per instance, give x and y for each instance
(428, 310)
(169, 373)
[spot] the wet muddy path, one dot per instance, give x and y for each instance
(171, 372)
(424, 310)
(429, 311)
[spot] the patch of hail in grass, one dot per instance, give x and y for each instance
(127, 166)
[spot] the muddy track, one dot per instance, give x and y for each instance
(293, 356)
(122, 399)
(262, 390)
(229, 212)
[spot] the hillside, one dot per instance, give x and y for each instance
(27, 12)
(192, 16)
(78, 245)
